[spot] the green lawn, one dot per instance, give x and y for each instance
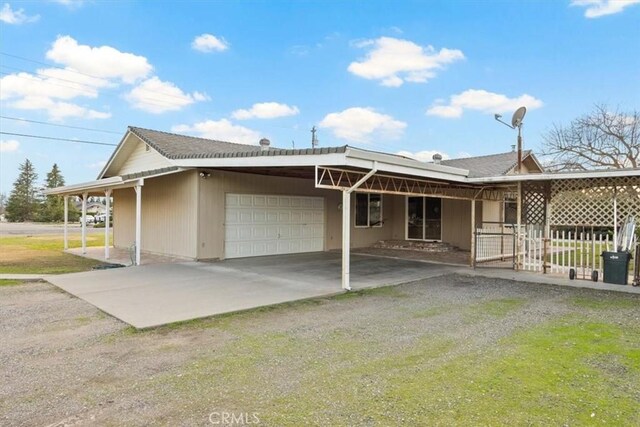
(42, 254)
(571, 370)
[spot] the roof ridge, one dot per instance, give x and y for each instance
(194, 137)
(487, 155)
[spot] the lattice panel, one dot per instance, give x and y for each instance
(590, 201)
(534, 202)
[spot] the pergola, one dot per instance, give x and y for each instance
(596, 198)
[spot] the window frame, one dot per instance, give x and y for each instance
(509, 201)
(355, 211)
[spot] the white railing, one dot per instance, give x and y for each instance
(565, 250)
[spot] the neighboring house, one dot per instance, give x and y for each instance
(204, 199)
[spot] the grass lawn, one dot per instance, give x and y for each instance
(42, 254)
(453, 350)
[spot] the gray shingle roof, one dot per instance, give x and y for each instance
(490, 165)
(174, 146)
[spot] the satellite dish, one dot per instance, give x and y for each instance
(516, 120)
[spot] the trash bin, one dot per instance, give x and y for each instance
(616, 267)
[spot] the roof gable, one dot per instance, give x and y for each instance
(495, 164)
(133, 155)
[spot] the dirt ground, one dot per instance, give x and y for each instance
(354, 359)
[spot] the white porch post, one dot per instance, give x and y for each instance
(346, 237)
(107, 195)
(66, 221)
(472, 261)
(615, 219)
(84, 222)
(138, 189)
(519, 235)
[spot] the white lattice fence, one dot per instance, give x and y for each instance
(590, 201)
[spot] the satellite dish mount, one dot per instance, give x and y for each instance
(516, 123)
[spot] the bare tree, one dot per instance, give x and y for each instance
(600, 139)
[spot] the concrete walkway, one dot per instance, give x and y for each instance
(157, 294)
(546, 279)
(25, 277)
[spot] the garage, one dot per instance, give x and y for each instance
(258, 224)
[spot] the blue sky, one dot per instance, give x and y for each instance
(416, 77)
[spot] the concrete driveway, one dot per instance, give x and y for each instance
(153, 295)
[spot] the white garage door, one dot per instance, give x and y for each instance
(257, 224)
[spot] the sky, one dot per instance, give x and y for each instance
(410, 77)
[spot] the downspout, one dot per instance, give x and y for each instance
(346, 226)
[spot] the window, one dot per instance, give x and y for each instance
(510, 211)
(368, 210)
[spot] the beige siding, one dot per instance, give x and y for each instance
(456, 222)
(169, 215)
(211, 210)
(142, 159)
(491, 211)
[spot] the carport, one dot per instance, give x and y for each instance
(153, 295)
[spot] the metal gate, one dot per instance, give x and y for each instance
(495, 245)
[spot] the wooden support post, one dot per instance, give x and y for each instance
(85, 196)
(107, 243)
(66, 222)
(346, 238)
(472, 261)
(519, 237)
(138, 190)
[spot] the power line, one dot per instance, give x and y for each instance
(78, 72)
(80, 141)
(59, 125)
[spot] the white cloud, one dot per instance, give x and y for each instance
(395, 61)
(50, 82)
(8, 146)
(482, 100)
(15, 17)
(71, 4)
(155, 96)
(598, 8)
(266, 110)
(209, 43)
(361, 124)
(58, 110)
(103, 61)
(97, 165)
(423, 156)
(221, 130)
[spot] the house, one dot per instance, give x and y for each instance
(204, 199)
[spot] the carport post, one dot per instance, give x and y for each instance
(472, 261)
(346, 227)
(66, 221)
(138, 189)
(346, 237)
(107, 195)
(84, 222)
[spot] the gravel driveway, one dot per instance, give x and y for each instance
(64, 362)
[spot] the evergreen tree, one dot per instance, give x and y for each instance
(52, 209)
(24, 199)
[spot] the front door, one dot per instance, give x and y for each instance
(424, 218)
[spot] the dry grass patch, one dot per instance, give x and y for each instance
(42, 254)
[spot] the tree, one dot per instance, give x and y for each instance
(600, 139)
(3, 202)
(52, 210)
(24, 200)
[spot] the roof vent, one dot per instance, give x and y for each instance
(264, 144)
(437, 158)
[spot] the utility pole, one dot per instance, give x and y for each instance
(314, 140)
